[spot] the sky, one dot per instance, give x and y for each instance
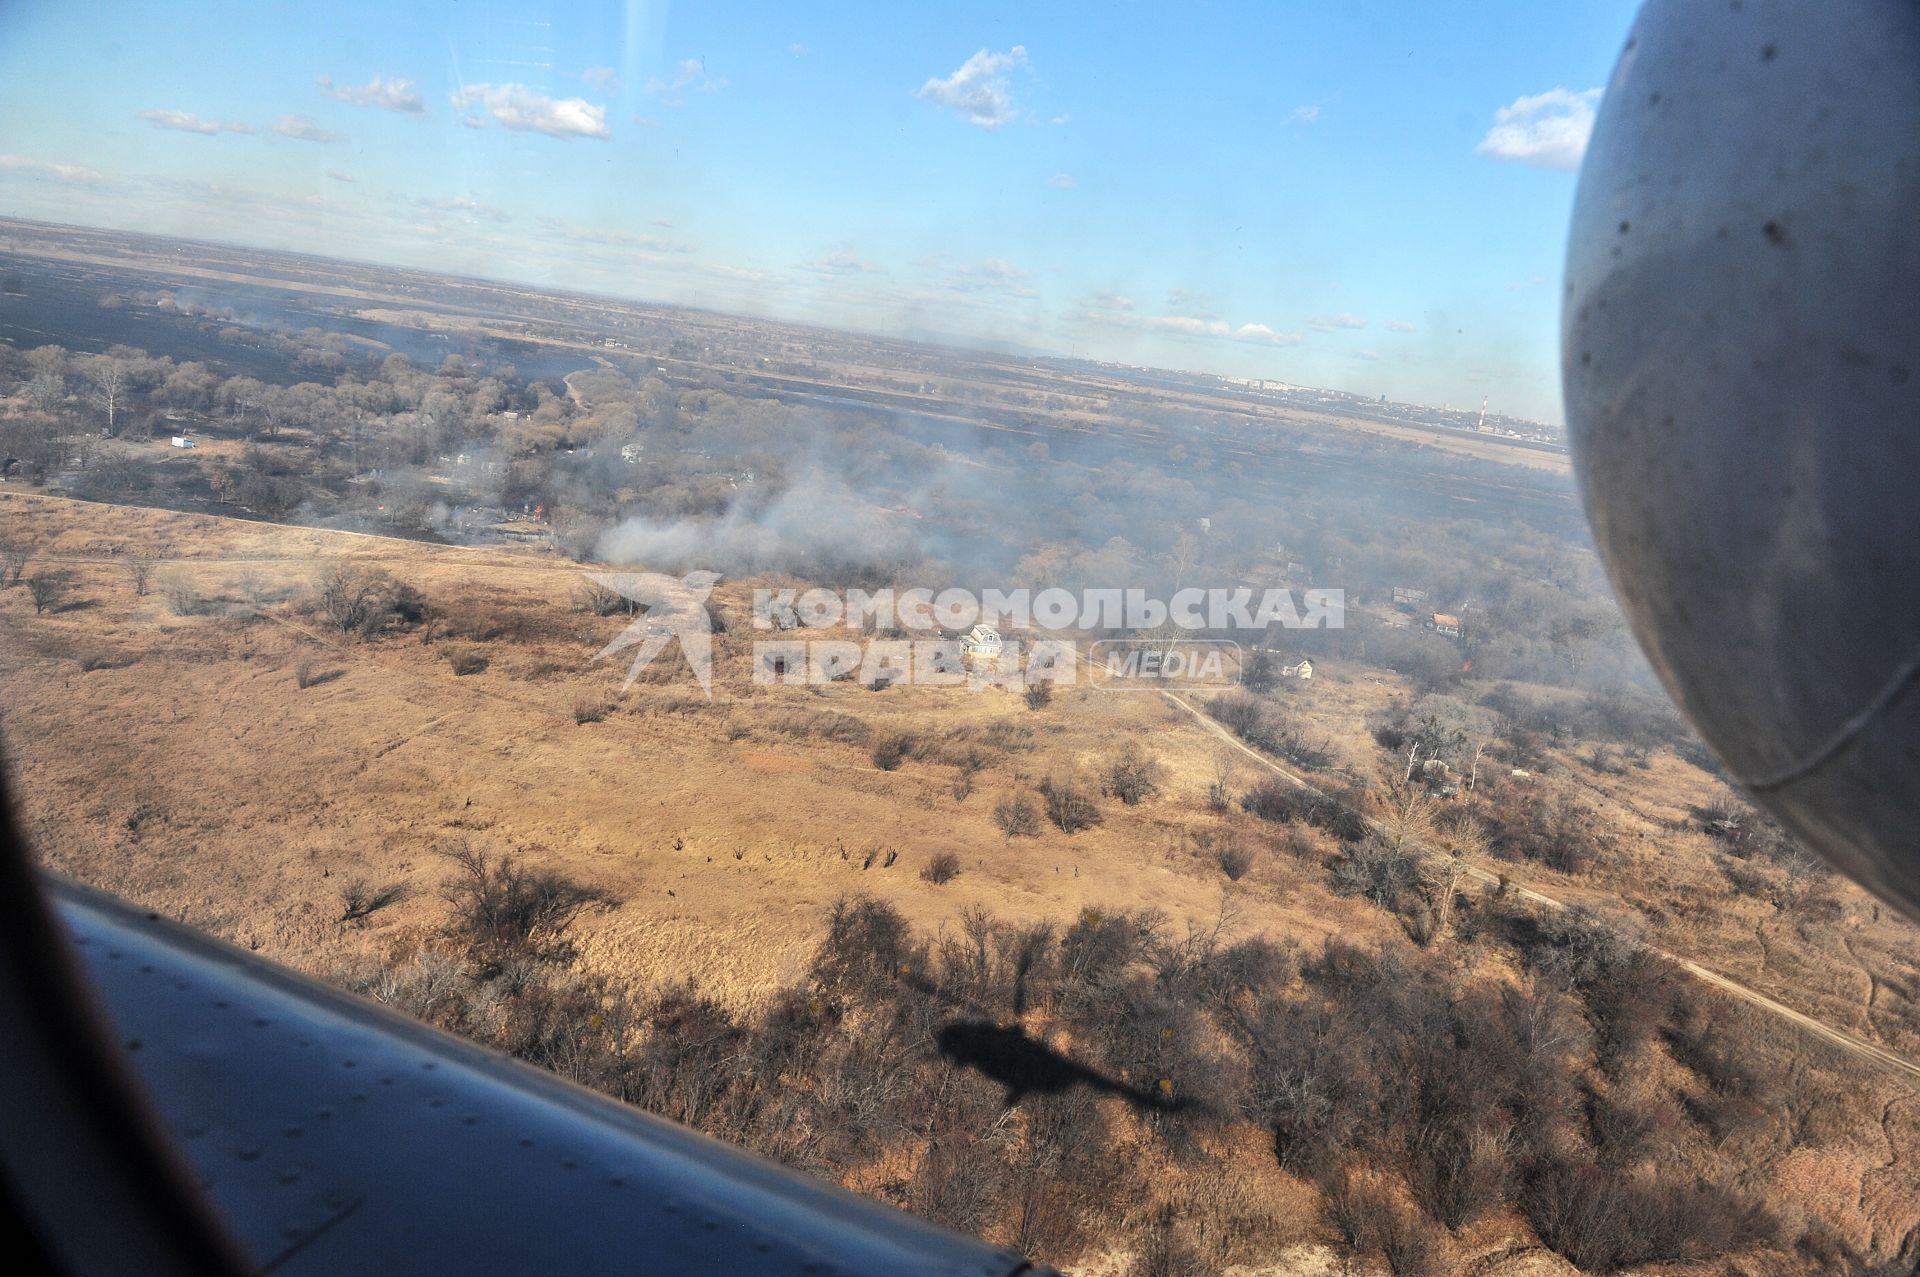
(1365, 196)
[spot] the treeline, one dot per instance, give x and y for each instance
(1066, 1088)
(625, 462)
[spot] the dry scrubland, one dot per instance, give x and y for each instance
(215, 749)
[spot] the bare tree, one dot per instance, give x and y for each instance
(13, 562)
(1459, 845)
(48, 588)
(46, 391)
(139, 571)
(109, 376)
(1220, 791)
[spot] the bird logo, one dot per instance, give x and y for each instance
(675, 608)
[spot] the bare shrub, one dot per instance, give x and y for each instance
(1267, 728)
(943, 868)
(1016, 817)
(821, 724)
(359, 897)
(1377, 869)
(465, 660)
(894, 748)
(1038, 695)
(305, 675)
(599, 600)
(1603, 1223)
(139, 572)
(503, 910)
(1068, 806)
(1235, 860)
(1165, 1251)
(866, 950)
(1131, 775)
(352, 596)
(590, 710)
(1008, 736)
(185, 599)
(1273, 799)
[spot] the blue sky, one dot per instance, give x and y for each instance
(1366, 195)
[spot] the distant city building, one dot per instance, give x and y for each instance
(181, 441)
(1445, 624)
(1408, 596)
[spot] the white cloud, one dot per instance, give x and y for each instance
(388, 94)
(1261, 335)
(996, 274)
(44, 168)
(1190, 325)
(187, 122)
(611, 238)
(1061, 119)
(1304, 114)
(1334, 323)
(1366, 356)
(842, 262)
(338, 176)
(517, 107)
(601, 78)
(690, 74)
(466, 207)
(1399, 326)
(1546, 130)
(1063, 181)
(1116, 310)
(979, 89)
(302, 129)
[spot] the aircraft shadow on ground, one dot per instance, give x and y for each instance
(1025, 1066)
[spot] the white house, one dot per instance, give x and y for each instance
(982, 641)
(181, 441)
(1302, 669)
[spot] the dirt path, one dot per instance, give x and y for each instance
(1858, 1047)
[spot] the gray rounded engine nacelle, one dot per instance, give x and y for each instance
(1741, 355)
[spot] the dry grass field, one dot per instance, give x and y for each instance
(192, 772)
(211, 749)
